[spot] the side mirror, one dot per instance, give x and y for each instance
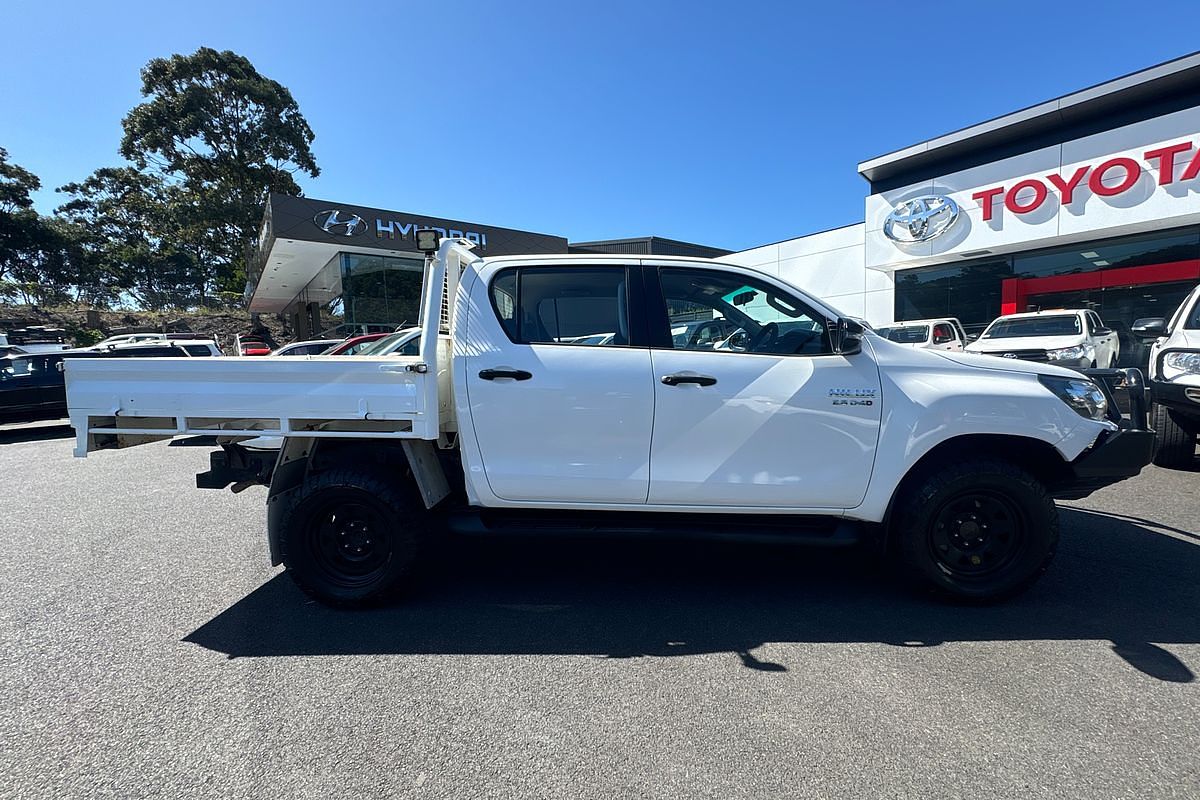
(847, 337)
(1102, 331)
(1149, 328)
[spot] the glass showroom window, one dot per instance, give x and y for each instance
(380, 289)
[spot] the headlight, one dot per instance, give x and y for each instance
(1067, 353)
(1079, 393)
(1181, 364)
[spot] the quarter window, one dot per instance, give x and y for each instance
(563, 305)
(719, 311)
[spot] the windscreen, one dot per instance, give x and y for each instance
(1062, 325)
(913, 334)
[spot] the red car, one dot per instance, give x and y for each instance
(354, 344)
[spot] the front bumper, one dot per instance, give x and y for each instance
(1179, 396)
(1116, 455)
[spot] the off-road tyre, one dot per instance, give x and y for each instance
(354, 538)
(1175, 447)
(976, 531)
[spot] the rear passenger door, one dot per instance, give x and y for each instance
(560, 387)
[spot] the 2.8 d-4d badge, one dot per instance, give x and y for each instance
(920, 219)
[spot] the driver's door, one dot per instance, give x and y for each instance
(775, 418)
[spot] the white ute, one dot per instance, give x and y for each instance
(933, 334)
(1175, 381)
(1068, 337)
(812, 429)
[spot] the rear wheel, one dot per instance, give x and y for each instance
(1176, 444)
(352, 538)
(977, 531)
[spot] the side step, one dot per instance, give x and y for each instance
(807, 530)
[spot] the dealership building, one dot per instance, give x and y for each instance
(1091, 200)
(314, 255)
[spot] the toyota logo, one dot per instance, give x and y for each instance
(920, 219)
(339, 224)
(1010, 355)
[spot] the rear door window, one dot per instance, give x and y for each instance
(584, 306)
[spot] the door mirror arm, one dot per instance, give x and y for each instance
(847, 336)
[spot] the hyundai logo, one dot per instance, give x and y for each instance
(339, 224)
(920, 219)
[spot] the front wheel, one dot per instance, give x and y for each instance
(1176, 445)
(352, 537)
(977, 531)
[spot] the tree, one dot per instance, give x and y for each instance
(34, 254)
(133, 237)
(224, 136)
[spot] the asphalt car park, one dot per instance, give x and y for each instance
(148, 649)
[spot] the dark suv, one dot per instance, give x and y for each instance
(32, 385)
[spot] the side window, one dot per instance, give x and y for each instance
(718, 311)
(563, 305)
(504, 300)
(410, 348)
(942, 334)
(197, 350)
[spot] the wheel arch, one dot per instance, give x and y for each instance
(1037, 457)
(300, 457)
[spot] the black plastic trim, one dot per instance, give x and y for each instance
(827, 531)
(1115, 457)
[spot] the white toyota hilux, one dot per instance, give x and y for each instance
(513, 418)
(1066, 337)
(1175, 381)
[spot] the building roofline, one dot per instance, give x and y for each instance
(626, 240)
(1141, 86)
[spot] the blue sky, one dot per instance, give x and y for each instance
(726, 124)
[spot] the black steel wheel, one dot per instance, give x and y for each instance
(977, 531)
(353, 538)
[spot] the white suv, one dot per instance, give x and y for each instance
(1068, 337)
(1175, 381)
(945, 333)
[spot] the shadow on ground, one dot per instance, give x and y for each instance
(35, 433)
(1118, 579)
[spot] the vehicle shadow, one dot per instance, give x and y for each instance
(35, 433)
(1114, 580)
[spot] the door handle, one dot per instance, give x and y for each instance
(515, 374)
(687, 377)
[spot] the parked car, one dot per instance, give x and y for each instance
(311, 347)
(150, 336)
(945, 333)
(251, 345)
(197, 348)
(1174, 372)
(36, 339)
(355, 344)
(1068, 337)
(404, 342)
(32, 385)
(821, 432)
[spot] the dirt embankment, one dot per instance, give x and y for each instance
(86, 325)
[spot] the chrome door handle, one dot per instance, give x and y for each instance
(687, 377)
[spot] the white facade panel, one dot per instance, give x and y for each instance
(827, 265)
